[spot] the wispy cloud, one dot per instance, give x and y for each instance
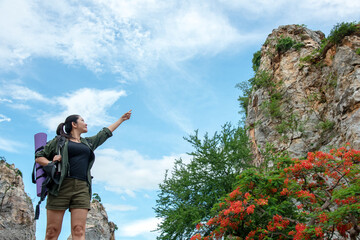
(10, 145)
(5, 100)
(127, 171)
(20, 97)
(121, 208)
(3, 118)
(15, 92)
(283, 11)
(91, 104)
(140, 227)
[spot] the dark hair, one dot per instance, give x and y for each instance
(68, 126)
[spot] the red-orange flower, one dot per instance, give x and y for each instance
(250, 209)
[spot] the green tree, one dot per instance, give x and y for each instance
(188, 194)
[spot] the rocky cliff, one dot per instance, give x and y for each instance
(306, 92)
(16, 209)
(98, 226)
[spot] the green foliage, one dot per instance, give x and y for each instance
(358, 51)
(301, 25)
(244, 103)
(96, 197)
(326, 125)
(262, 79)
(291, 123)
(312, 99)
(332, 80)
(244, 98)
(298, 46)
(284, 44)
(256, 60)
(313, 198)
(272, 107)
(187, 195)
(309, 58)
(116, 227)
(341, 30)
(19, 173)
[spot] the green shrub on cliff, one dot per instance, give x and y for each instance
(341, 30)
(256, 60)
(284, 44)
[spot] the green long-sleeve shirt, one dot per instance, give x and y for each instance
(50, 150)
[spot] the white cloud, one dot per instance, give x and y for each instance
(111, 34)
(128, 171)
(194, 30)
(122, 208)
(129, 37)
(5, 100)
(3, 118)
(91, 104)
(140, 227)
(10, 145)
(17, 96)
(20, 93)
(20, 106)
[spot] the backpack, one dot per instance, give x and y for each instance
(45, 176)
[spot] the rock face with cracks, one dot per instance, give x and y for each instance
(98, 226)
(309, 98)
(16, 209)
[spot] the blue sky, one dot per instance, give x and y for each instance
(174, 63)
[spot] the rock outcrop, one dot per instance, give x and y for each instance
(98, 226)
(16, 209)
(308, 96)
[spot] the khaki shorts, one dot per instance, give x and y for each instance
(74, 193)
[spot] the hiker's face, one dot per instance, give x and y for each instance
(81, 125)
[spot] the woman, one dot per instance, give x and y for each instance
(76, 158)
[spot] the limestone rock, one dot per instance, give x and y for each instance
(98, 226)
(313, 102)
(16, 209)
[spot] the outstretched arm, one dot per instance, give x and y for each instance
(123, 118)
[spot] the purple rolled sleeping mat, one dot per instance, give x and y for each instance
(40, 142)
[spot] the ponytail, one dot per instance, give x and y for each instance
(60, 129)
(68, 126)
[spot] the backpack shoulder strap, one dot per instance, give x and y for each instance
(60, 142)
(34, 168)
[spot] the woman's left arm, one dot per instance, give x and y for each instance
(116, 124)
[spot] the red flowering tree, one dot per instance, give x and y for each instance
(314, 198)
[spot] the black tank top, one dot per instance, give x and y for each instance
(79, 156)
